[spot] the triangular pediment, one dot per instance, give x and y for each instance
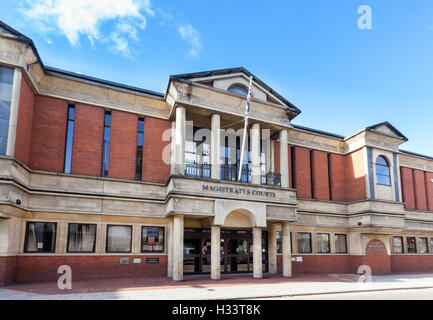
(9, 32)
(227, 79)
(387, 129)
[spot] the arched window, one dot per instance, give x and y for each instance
(382, 172)
(238, 89)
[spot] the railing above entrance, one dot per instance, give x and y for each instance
(229, 173)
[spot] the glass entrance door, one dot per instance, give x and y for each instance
(236, 251)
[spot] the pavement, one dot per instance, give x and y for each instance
(230, 287)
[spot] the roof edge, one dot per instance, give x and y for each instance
(416, 154)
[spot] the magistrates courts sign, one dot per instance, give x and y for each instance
(238, 191)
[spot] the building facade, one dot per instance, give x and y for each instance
(118, 181)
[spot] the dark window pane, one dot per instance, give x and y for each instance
(71, 113)
(107, 119)
(106, 145)
(40, 237)
(238, 89)
(411, 245)
(152, 239)
(140, 139)
(69, 139)
(81, 237)
(140, 125)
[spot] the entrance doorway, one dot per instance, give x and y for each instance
(236, 251)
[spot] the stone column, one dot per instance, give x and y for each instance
(215, 253)
(170, 248)
(284, 159)
(287, 256)
(255, 153)
(272, 248)
(178, 247)
(272, 145)
(13, 117)
(173, 148)
(257, 252)
(180, 140)
(215, 146)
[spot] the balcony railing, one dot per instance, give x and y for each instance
(230, 172)
(195, 169)
(271, 179)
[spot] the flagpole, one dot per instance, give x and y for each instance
(247, 111)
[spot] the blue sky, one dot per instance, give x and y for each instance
(312, 52)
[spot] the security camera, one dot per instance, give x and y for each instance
(359, 223)
(18, 202)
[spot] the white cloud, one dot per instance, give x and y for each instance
(192, 36)
(75, 18)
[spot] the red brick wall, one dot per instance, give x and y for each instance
(338, 189)
(24, 125)
(355, 176)
(302, 172)
(319, 161)
(47, 151)
(123, 145)
(411, 263)
(7, 270)
(419, 189)
(429, 189)
(88, 138)
(376, 258)
(154, 168)
(407, 187)
(87, 267)
(319, 264)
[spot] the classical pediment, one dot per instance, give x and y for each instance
(235, 81)
(387, 129)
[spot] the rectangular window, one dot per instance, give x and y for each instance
(119, 239)
(6, 81)
(40, 237)
(340, 243)
(69, 138)
(323, 243)
(304, 242)
(422, 245)
(411, 244)
(106, 143)
(139, 159)
(397, 243)
(81, 237)
(152, 239)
